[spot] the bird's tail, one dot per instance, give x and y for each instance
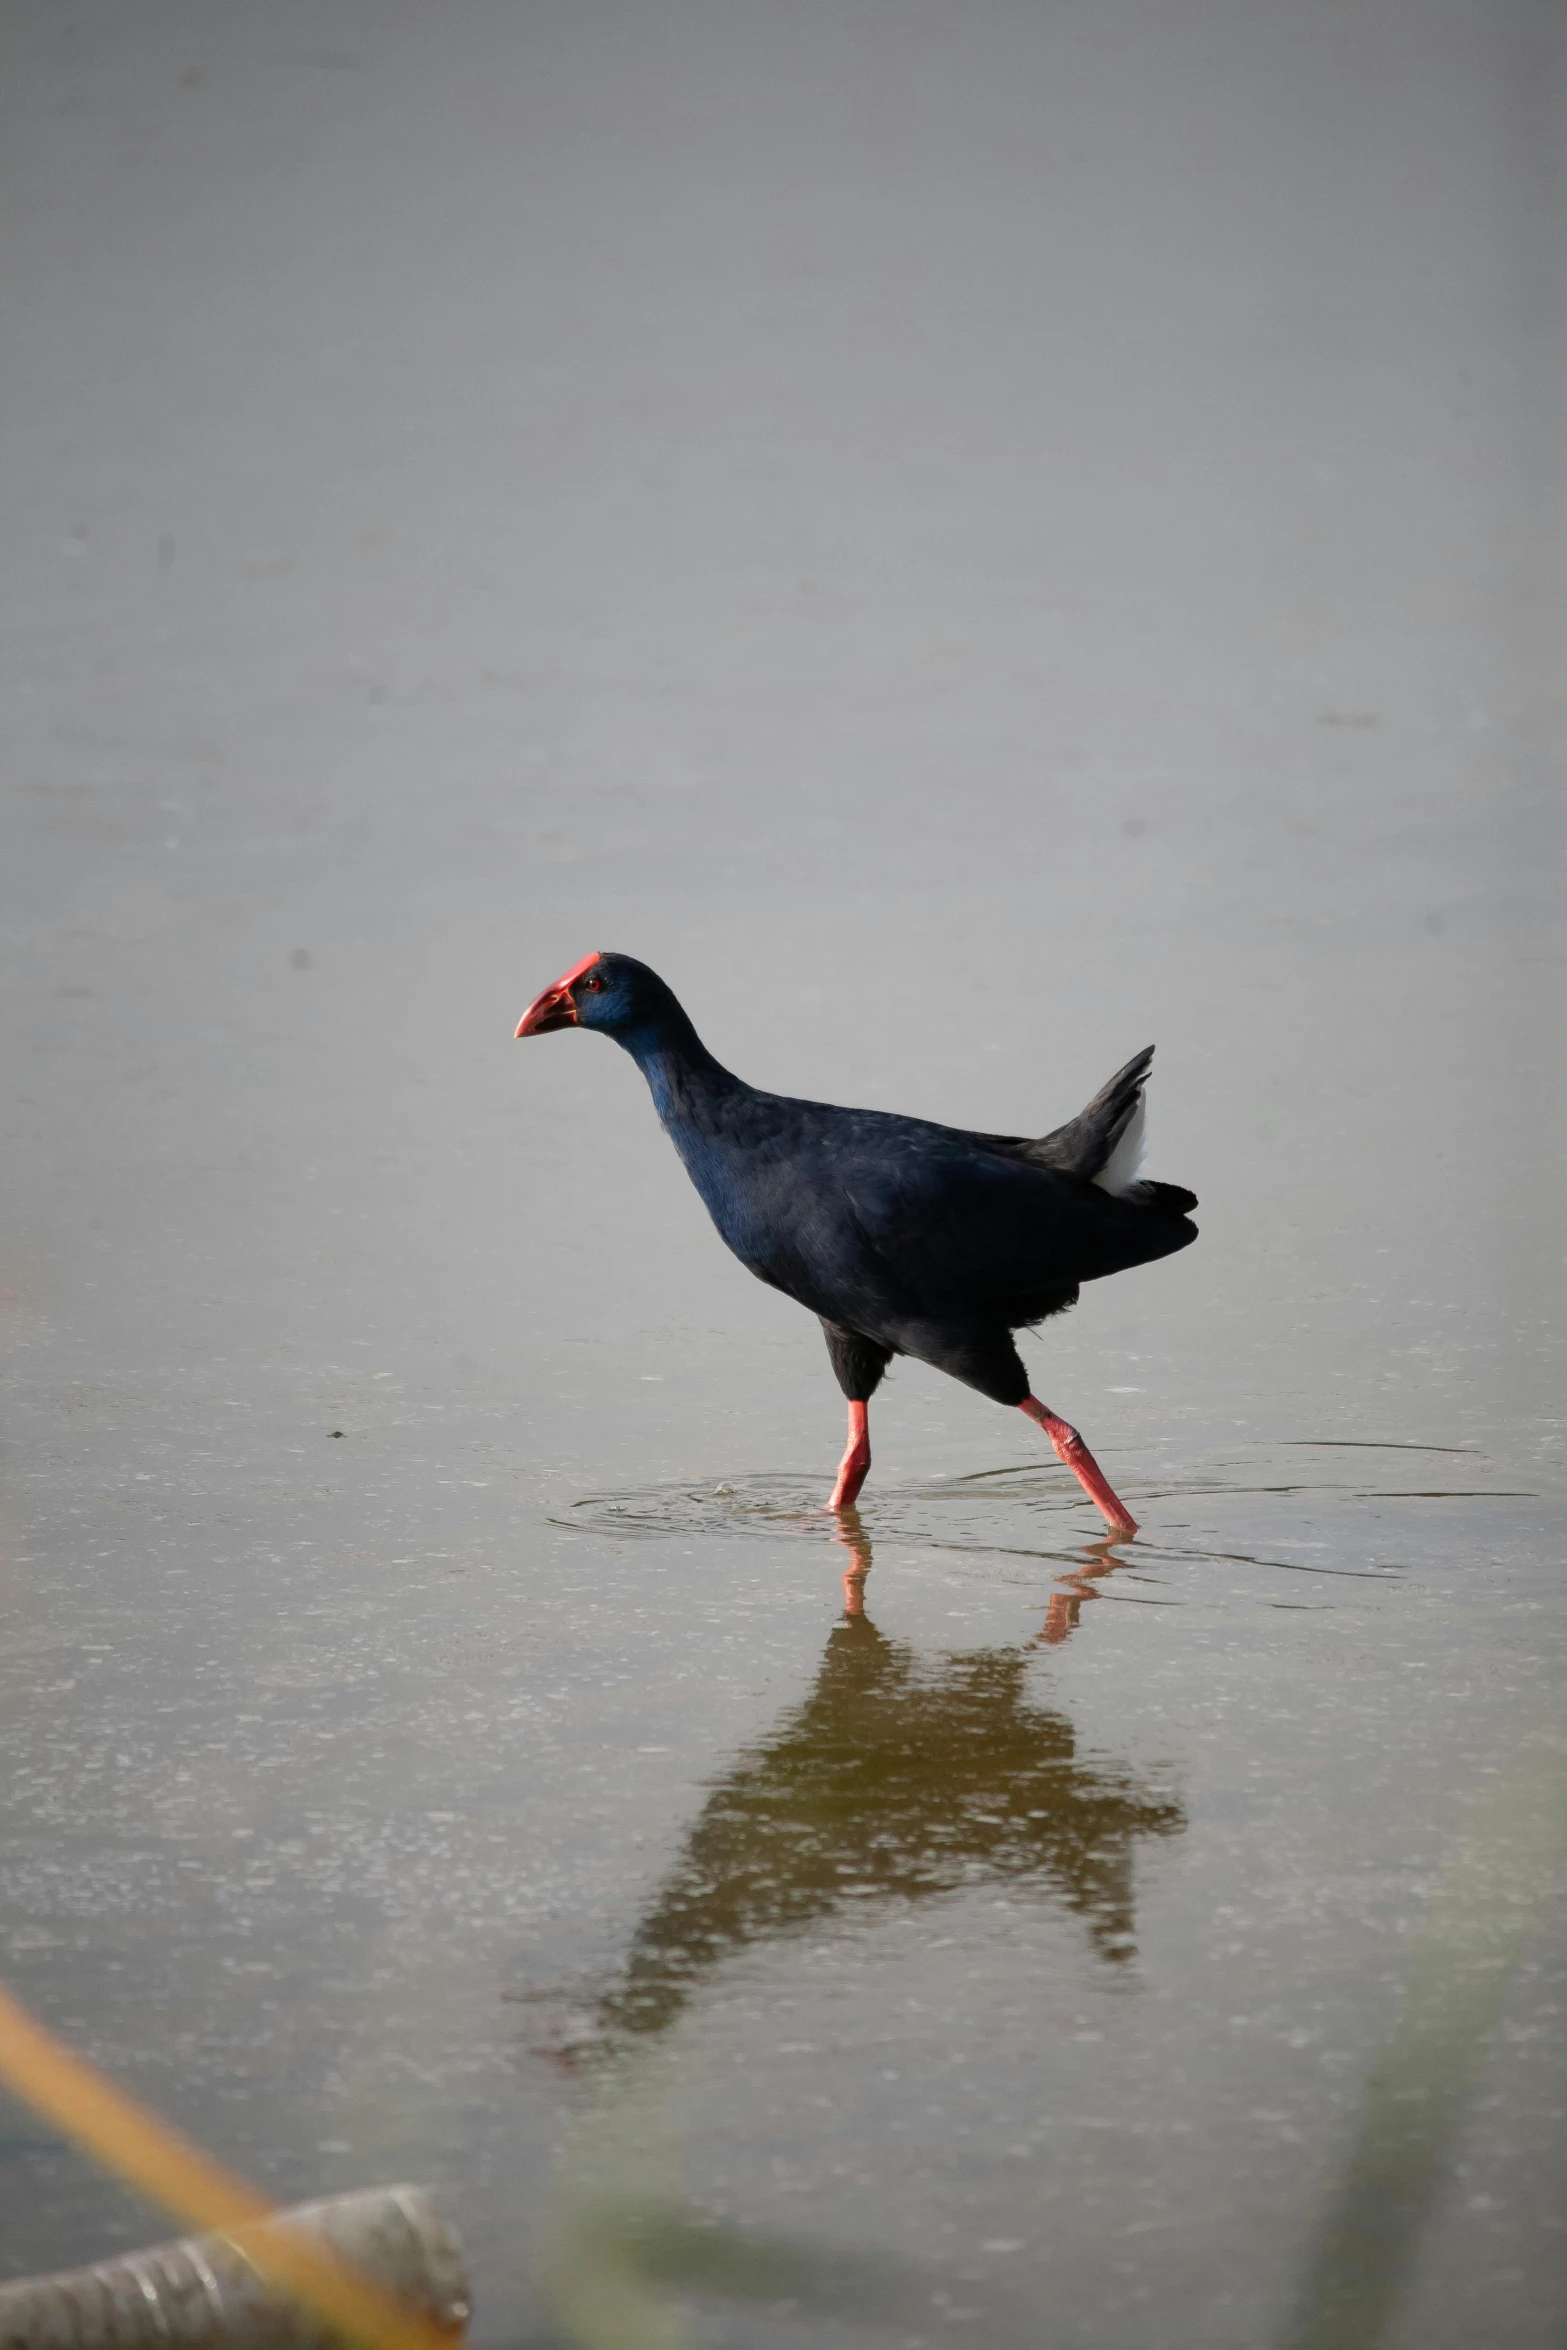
(1103, 1144)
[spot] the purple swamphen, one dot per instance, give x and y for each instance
(904, 1237)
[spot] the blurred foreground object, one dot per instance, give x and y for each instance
(205, 2290)
(1504, 1873)
(295, 2261)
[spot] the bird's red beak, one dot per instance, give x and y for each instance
(556, 1007)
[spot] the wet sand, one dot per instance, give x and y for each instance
(972, 539)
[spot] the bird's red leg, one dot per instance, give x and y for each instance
(854, 1467)
(1071, 1449)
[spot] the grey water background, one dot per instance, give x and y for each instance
(972, 538)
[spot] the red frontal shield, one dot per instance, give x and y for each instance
(555, 1008)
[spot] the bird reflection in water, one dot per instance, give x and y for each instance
(897, 1779)
(1100, 1561)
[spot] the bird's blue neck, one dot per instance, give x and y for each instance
(684, 1079)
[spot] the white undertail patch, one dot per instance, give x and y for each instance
(1119, 1172)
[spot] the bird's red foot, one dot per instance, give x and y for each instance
(1074, 1452)
(855, 1465)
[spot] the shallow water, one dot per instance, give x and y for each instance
(970, 540)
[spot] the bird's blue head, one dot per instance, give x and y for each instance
(613, 993)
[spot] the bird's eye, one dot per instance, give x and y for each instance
(593, 983)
